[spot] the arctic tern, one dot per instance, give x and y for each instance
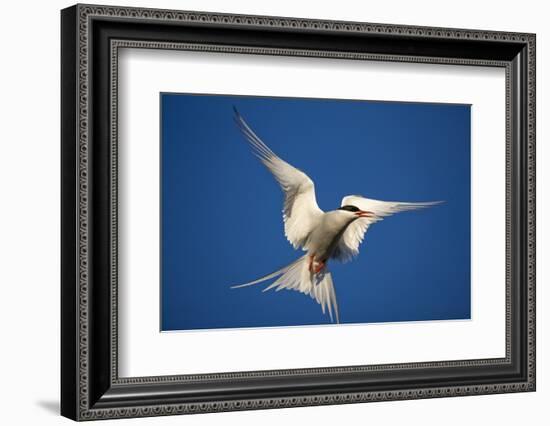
(335, 234)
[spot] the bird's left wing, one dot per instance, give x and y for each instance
(300, 212)
(348, 246)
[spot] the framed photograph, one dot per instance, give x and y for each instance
(263, 212)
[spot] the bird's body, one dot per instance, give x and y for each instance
(324, 236)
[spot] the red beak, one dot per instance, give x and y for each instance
(363, 213)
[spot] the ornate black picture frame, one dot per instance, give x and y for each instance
(91, 387)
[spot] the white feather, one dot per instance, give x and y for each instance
(348, 246)
(300, 210)
(297, 276)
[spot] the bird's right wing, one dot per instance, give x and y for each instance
(300, 211)
(348, 246)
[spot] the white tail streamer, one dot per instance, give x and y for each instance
(297, 276)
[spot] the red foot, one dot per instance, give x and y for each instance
(320, 267)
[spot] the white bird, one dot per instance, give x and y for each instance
(335, 234)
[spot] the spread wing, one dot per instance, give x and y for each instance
(300, 210)
(348, 246)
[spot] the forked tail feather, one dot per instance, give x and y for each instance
(298, 277)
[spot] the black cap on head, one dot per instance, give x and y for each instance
(349, 208)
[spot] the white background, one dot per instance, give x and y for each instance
(146, 352)
(29, 229)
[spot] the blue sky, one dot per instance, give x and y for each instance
(221, 209)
